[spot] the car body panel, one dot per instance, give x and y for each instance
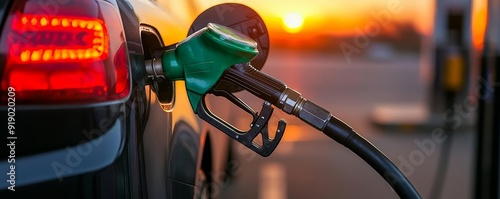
(171, 27)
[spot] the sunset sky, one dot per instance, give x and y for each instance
(338, 16)
(342, 17)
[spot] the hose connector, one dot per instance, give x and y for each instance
(293, 103)
(314, 115)
(290, 101)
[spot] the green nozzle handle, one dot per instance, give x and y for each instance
(202, 58)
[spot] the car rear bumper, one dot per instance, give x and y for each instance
(70, 161)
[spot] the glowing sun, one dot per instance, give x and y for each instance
(293, 22)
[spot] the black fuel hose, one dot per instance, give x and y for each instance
(291, 102)
(346, 136)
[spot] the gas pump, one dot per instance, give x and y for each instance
(451, 71)
(452, 44)
(445, 63)
(487, 169)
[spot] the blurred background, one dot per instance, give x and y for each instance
(403, 73)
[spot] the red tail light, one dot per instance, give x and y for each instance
(59, 39)
(74, 55)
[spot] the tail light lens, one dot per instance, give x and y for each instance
(72, 53)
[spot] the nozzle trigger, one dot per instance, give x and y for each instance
(259, 125)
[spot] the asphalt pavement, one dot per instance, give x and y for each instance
(308, 164)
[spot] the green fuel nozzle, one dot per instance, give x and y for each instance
(217, 55)
(201, 58)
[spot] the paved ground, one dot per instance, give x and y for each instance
(309, 165)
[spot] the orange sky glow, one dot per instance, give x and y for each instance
(342, 17)
(338, 16)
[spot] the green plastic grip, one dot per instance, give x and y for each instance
(201, 58)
